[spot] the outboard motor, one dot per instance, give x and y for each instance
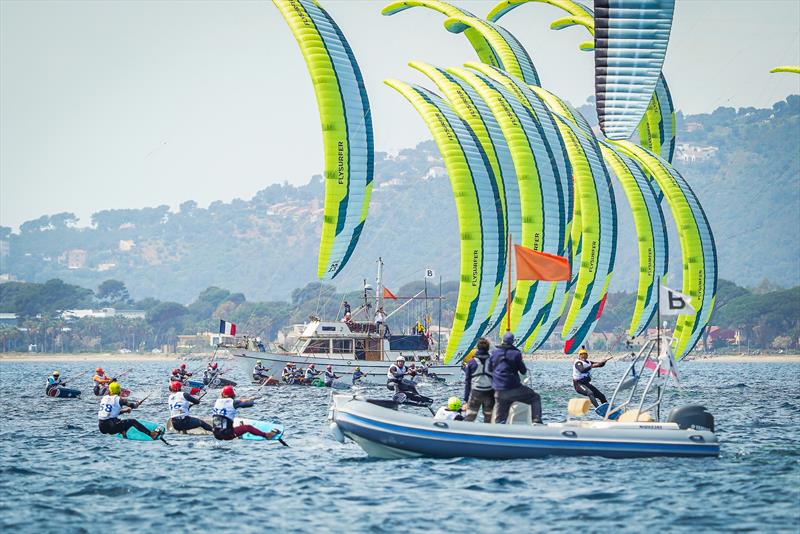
(692, 416)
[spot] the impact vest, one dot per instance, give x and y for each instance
(444, 414)
(481, 378)
(109, 407)
(577, 374)
(224, 408)
(396, 372)
(178, 405)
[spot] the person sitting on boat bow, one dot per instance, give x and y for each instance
(225, 409)
(210, 373)
(506, 365)
(329, 376)
(54, 381)
(478, 384)
(451, 412)
(101, 381)
(179, 403)
(111, 406)
(311, 373)
(358, 376)
(582, 377)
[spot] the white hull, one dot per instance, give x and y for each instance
(342, 365)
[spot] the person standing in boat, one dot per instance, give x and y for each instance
(329, 376)
(582, 377)
(179, 403)
(478, 391)
(506, 365)
(225, 409)
(347, 309)
(101, 381)
(111, 406)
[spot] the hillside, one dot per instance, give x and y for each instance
(743, 164)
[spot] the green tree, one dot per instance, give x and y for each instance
(113, 291)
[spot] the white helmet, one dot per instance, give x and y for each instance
(400, 359)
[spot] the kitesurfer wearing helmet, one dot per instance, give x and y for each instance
(289, 373)
(183, 373)
(506, 365)
(582, 377)
(478, 384)
(225, 409)
(179, 404)
(451, 412)
(101, 382)
(175, 375)
(210, 373)
(395, 374)
(329, 376)
(111, 406)
(358, 376)
(260, 372)
(53, 381)
(311, 373)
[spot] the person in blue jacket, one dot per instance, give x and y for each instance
(506, 365)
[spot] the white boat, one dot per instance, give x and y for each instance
(346, 345)
(624, 431)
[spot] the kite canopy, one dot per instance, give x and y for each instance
(346, 129)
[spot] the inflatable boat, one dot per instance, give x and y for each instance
(627, 428)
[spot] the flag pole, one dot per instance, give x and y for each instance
(508, 289)
(658, 319)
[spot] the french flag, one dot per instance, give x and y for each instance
(229, 329)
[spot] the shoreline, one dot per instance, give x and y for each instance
(14, 357)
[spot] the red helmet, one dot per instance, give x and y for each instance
(183, 366)
(311, 366)
(228, 391)
(99, 370)
(175, 386)
(214, 365)
(174, 371)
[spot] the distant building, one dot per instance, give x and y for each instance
(103, 313)
(126, 245)
(693, 126)
(8, 319)
(74, 258)
(106, 266)
(693, 153)
(5, 248)
(7, 277)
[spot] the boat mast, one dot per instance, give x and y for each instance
(379, 303)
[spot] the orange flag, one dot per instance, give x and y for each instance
(533, 265)
(388, 294)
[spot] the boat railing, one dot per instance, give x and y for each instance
(631, 379)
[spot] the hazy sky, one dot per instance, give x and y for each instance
(132, 104)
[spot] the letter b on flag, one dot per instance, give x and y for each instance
(674, 303)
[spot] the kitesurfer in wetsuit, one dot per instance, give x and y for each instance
(260, 372)
(179, 404)
(506, 365)
(451, 412)
(53, 381)
(329, 376)
(183, 373)
(288, 374)
(358, 375)
(311, 373)
(111, 406)
(101, 382)
(478, 384)
(394, 376)
(175, 375)
(225, 409)
(210, 373)
(582, 377)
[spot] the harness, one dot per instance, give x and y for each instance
(481, 379)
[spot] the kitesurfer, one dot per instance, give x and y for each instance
(311, 373)
(183, 373)
(506, 365)
(259, 371)
(289, 374)
(54, 381)
(179, 403)
(451, 412)
(175, 375)
(111, 406)
(210, 373)
(329, 376)
(582, 377)
(395, 374)
(358, 375)
(101, 381)
(478, 390)
(225, 409)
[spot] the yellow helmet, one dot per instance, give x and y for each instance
(583, 351)
(454, 404)
(55, 373)
(114, 388)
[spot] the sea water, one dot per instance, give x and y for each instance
(59, 474)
